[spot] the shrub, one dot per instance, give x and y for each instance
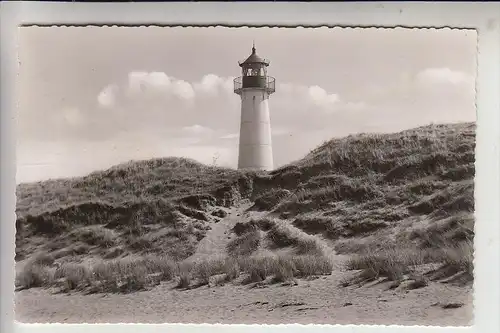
(33, 275)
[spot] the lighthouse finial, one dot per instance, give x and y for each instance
(253, 46)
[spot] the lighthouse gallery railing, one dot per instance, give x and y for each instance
(256, 82)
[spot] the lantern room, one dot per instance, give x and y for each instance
(254, 75)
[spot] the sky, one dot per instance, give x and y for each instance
(93, 97)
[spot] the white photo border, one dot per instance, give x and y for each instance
(484, 17)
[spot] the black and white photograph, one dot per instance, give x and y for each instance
(245, 175)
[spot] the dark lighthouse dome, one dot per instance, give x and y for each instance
(254, 75)
(254, 59)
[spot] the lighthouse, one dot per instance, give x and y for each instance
(254, 87)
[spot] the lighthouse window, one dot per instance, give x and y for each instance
(255, 71)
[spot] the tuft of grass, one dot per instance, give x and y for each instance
(36, 272)
(310, 265)
(231, 268)
(257, 268)
(445, 232)
(397, 263)
(133, 274)
(73, 276)
(459, 257)
(184, 280)
(390, 263)
(160, 264)
(123, 275)
(34, 275)
(284, 268)
(207, 268)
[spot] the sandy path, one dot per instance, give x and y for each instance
(216, 239)
(319, 301)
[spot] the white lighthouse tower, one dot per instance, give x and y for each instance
(255, 87)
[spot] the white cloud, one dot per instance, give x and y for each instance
(158, 83)
(146, 85)
(321, 98)
(209, 83)
(312, 95)
(140, 82)
(444, 75)
(107, 97)
(213, 84)
(156, 100)
(183, 89)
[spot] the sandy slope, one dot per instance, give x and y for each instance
(319, 301)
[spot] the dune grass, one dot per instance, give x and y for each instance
(396, 264)
(133, 274)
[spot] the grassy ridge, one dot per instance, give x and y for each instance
(360, 184)
(410, 192)
(393, 201)
(164, 206)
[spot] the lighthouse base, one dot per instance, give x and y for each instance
(255, 158)
(255, 146)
